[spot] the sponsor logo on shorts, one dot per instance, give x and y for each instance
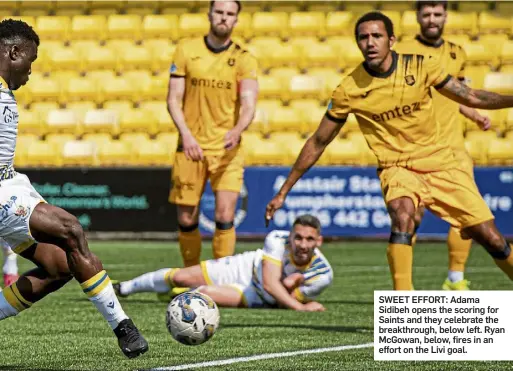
(21, 211)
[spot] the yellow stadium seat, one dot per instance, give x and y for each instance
(140, 7)
(458, 22)
(35, 8)
(330, 77)
(154, 153)
(303, 86)
(494, 44)
(346, 46)
(284, 74)
(506, 54)
(498, 120)
(115, 153)
(250, 141)
(117, 88)
(47, 47)
(504, 7)
(494, 22)
(285, 55)
(307, 24)
(53, 27)
(395, 17)
(9, 7)
(292, 143)
(500, 152)
(119, 106)
(303, 42)
(499, 82)
(100, 77)
(286, 119)
(162, 58)
(340, 23)
(270, 24)
(243, 27)
(80, 108)
(118, 45)
(313, 118)
(124, 26)
(168, 139)
(70, 8)
(509, 135)
(90, 27)
(63, 59)
(157, 88)
(398, 6)
(191, 25)
(159, 109)
(101, 121)
(133, 139)
(472, 6)
(268, 153)
(360, 7)
(135, 57)
(477, 54)
(79, 89)
(305, 105)
(409, 25)
(509, 119)
(29, 122)
(98, 138)
(42, 154)
(163, 26)
(260, 123)
(475, 75)
(138, 120)
(62, 77)
(63, 121)
(270, 87)
(176, 7)
(266, 41)
(79, 153)
(105, 7)
(322, 55)
(42, 108)
(59, 140)
(44, 90)
(24, 140)
(82, 47)
(476, 150)
(344, 152)
(100, 58)
(481, 139)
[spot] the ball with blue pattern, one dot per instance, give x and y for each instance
(192, 318)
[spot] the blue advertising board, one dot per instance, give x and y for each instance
(347, 200)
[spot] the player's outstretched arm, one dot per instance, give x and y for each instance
(175, 94)
(248, 99)
(312, 150)
(271, 274)
(461, 93)
(483, 122)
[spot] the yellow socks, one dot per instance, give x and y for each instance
(459, 250)
(14, 299)
(190, 244)
(223, 243)
(400, 260)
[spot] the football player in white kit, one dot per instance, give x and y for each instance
(289, 272)
(48, 236)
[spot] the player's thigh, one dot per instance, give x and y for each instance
(227, 171)
(188, 179)
(456, 199)
(193, 276)
(235, 269)
(487, 235)
(225, 296)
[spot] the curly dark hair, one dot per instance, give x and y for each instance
(375, 16)
(11, 29)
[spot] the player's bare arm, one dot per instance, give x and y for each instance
(461, 93)
(312, 150)
(272, 284)
(248, 99)
(175, 96)
(483, 122)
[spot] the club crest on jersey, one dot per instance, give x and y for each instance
(453, 55)
(410, 80)
(231, 62)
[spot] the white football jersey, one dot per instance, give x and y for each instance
(318, 273)
(8, 125)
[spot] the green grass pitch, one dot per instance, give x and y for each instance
(65, 332)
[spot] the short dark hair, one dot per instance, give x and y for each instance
(235, 1)
(375, 16)
(308, 221)
(12, 29)
(420, 3)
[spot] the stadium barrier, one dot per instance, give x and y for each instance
(347, 200)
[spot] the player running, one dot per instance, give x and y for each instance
(289, 272)
(212, 98)
(46, 235)
(390, 94)
(431, 17)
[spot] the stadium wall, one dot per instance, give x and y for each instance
(132, 202)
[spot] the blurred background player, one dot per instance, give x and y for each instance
(10, 266)
(212, 96)
(289, 272)
(431, 17)
(47, 235)
(391, 93)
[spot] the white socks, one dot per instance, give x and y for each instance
(455, 276)
(149, 282)
(10, 260)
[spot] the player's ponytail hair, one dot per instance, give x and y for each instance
(308, 221)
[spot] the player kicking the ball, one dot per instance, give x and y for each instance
(289, 272)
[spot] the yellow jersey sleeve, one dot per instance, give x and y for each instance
(338, 107)
(248, 68)
(436, 77)
(179, 65)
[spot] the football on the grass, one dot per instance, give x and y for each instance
(192, 318)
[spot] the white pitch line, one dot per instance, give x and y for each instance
(261, 357)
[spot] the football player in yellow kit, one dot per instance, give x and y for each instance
(431, 17)
(390, 95)
(212, 99)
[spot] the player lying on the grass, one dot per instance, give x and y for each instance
(46, 235)
(391, 96)
(289, 272)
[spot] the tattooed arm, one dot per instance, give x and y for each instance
(461, 93)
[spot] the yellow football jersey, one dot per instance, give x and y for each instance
(453, 58)
(212, 76)
(395, 112)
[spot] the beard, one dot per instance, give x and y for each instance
(433, 35)
(221, 32)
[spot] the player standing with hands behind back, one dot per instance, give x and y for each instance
(212, 97)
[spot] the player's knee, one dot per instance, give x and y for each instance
(224, 215)
(403, 221)
(73, 233)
